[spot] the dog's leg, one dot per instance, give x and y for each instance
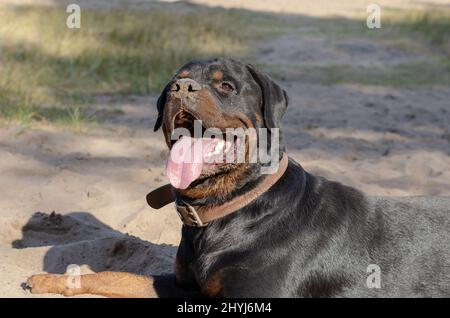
(109, 284)
(112, 284)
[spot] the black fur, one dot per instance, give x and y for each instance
(307, 236)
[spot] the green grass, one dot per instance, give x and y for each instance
(48, 71)
(411, 75)
(428, 27)
(425, 33)
(433, 26)
(52, 74)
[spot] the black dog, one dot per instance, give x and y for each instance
(296, 235)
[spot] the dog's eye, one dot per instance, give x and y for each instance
(227, 87)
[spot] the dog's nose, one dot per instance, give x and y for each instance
(185, 85)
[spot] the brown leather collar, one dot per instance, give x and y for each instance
(200, 216)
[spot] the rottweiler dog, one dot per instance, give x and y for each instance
(285, 234)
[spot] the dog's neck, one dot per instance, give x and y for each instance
(200, 215)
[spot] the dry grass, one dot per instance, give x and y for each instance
(431, 25)
(49, 72)
(422, 32)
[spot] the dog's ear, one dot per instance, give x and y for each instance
(160, 106)
(274, 99)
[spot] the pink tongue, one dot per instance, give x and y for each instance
(185, 161)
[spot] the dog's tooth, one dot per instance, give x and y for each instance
(219, 147)
(228, 146)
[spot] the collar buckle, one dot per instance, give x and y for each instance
(185, 210)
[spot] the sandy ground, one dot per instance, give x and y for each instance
(321, 8)
(317, 8)
(383, 141)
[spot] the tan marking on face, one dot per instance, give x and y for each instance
(184, 74)
(223, 184)
(205, 107)
(258, 118)
(211, 114)
(217, 75)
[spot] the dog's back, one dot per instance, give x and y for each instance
(411, 245)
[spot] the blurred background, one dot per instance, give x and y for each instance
(369, 108)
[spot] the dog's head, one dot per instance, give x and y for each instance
(211, 103)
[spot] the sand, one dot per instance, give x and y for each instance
(320, 8)
(384, 141)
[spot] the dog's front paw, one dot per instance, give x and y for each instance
(48, 283)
